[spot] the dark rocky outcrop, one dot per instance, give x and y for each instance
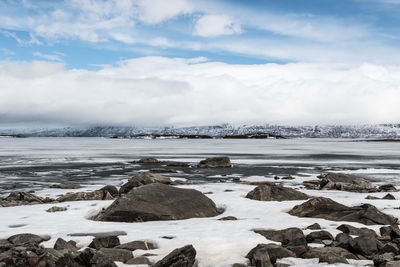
(288, 237)
(268, 254)
(112, 190)
(79, 196)
(65, 186)
(147, 160)
(178, 164)
(117, 254)
(163, 170)
(330, 210)
(318, 236)
(274, 192)
(228, 218)
(351, 230)
(61, 244)
(56, 209)
(345, 182)
(330, 255)
(314, 226)
(216, 162)
(157, 201)
(134, 245)
(387, 188)
(180, 257)
(143, 178)
(26, 238)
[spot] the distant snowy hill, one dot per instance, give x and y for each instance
(325, 131)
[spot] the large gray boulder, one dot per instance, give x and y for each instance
(274, 192)
(216, 162)
(345, 182)
(156, 202)
(143, 178)
(330, 255)
(328, 209)
(288, 237)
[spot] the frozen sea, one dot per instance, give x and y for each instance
(32, 164)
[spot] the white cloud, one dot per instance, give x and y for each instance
(165, 91)
(52, 57)
(215, 25)
(156, 11)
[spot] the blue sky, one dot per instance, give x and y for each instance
(187, 62)
(85, 33)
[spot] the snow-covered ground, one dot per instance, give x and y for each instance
(218, 243)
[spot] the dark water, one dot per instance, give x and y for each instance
(34, 163)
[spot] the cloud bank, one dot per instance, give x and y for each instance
(154, 91)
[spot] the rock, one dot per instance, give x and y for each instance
(99, 259)
(139, 260)
(134, 245)
(259, 257)
(95, 195)
(312, 184)
(389, 248)
(283, 177)
(371, 197)
(21, 239)
(328, 209)
(147, 160)
(104, 242)
(345, 182)
(163, 170)
(56, 209)
(381, 260)
(351, 230)
(228, 218)
(288, 237)
(343, 240)
(330, 255)
(178, 164)
(61, 244)
(274, 252)
(318, 236)
(155, 202)
(365, 245)
(392, 231)
(117, 254)
(112, 190)
(216, 162)
(387, 188)
(314, 226)
(180, 257)
(143, 178)
(5, 245)
(65, 186)
(389, 197)
(23, 196)
(273, 192)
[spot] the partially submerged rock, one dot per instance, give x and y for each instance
(345, 182)
(216, 162)
(147, 160)
(163, 170)
(328, 209)
(274, 192)
(65, 186)
(143, 178)
(180, 257)
(157, 201)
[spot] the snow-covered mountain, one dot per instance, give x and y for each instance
(323, 131)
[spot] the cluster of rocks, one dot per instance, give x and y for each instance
(26, 250)
(346, 182)
(353, 243)
(274, 192)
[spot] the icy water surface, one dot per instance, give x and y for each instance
(33, 163)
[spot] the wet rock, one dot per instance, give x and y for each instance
(312, 184)
(117, 254)
(345, 182)
(180, 257)
(147, 160)
(163, 170)
(56, 209)
(314, 226)
(21, 239)
(351, 230)
(274, 192)
(216, 162)
(330, 255)
(274, 252)
(104, 242)
(65, 186)
(318, 236)
(143, 178)
(328, 209)
(134, 245)
(157, 201)
(228, 218)
(178, 164)
(61, 244)
(387, 188)
(288, 237)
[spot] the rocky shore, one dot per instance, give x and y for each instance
(158, 220)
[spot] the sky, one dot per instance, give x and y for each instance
(199, 62)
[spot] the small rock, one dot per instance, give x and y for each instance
(143, 178)
(371, 197)
(274, 192)
(288, 237)
(21, 239)
(117, 254)
(330, 255)
(56, 209)
(163, 170)
(389, 197)
(318, 236)
(314, 226)
(134, 245)
(351, 230)
(104, 242)
(274, 252)
(387, 188)
(182, 257)
(178, 164)
(216, 162)
(112, 190)
(61, 244)
(139, 260)
(345, 182)
(65, 186)
(147, 160)
(228, 218)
